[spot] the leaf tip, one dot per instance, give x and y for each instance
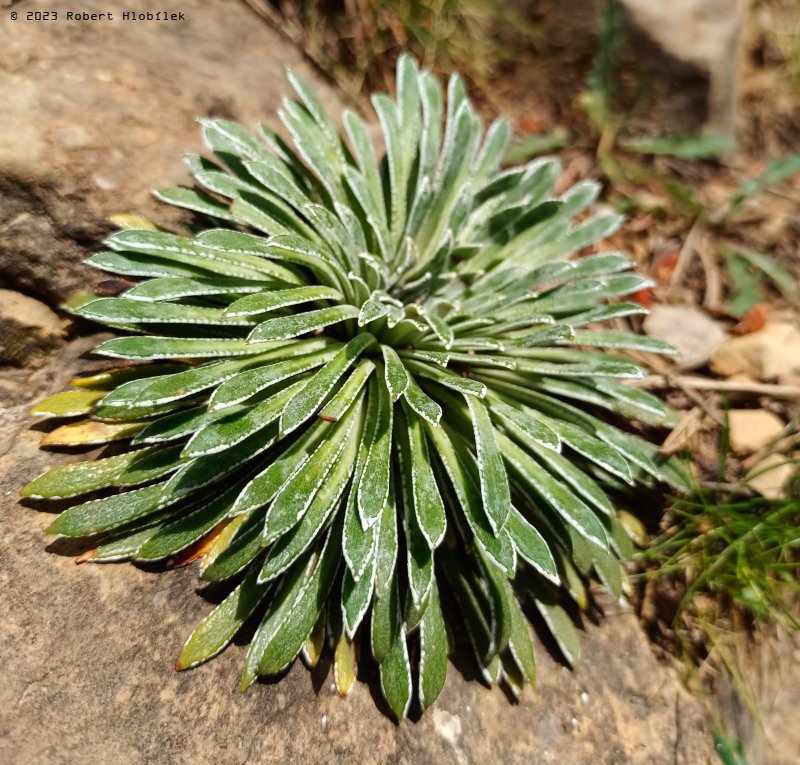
(87, 556)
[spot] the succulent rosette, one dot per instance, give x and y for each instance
(370, 393)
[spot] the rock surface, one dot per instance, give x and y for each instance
(95, 116)
(98, 113)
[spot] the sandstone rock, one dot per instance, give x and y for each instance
(772, 352)
(696, 336)
(27, 328)
(97, 114)
(751, 429)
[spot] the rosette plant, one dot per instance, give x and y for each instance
(370, 393)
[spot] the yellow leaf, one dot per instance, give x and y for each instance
(125, 220)
(315, 643)
(68, 403)
(106, 378)
(88, 432)
(344, 665)
(211, 545)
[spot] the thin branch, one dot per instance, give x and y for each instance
(663, 381)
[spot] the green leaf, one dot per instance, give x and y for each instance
(197, 201)
(243, 549)
(103, 514)
(612, 339)
(290, 634)
(580, 482)
(173, 426)
(371, 310)
(387, 548)
(178, 249)
(206, 470)
(461, 474)
(386, 621)
(567, 505)
(262, 488)
(419, 556)
(172, 288)
(358, 540)
(293, 611)
(560, 626)
(356, 598)
(396, 375)
(168, 388)
(609, 571)
(520, 640)
(285, 327)
(306, 401)
(415, 464)
(373, 485)
(263, 302)
(499, 607)
(524, 424)
(433, 650)
(473, 604)
(495, 491)
(223, 432)
(296, 496)
(126, 311)
(218, 628)
(592, 448)
(448, 379)
(348, 392)
(177, 536)
(246, 384)
(422, 404)
(145, 347)
(531, 545)
(131, 469)
(396, 684)
(322, 505)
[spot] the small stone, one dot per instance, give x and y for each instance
(772, 352)
(771, 475)
(694, 335)
(751, 429)
(27, 327)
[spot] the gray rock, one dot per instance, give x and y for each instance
(704, 34)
